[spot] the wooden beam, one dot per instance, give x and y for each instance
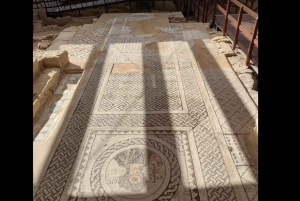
(198, 10)
(106, 8)
(214, 14)
(221, 9)
(252, 42)
(248, 10)
(130, 6)
(226, 17)
(208, 12)
(203, 11)
(206, 9)
(241, 28)
(238, 26)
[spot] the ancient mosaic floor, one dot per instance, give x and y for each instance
(151, 124)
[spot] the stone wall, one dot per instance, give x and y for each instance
(43, 23)
(68, 20)
(60, 23)
(37, 29)
(120, 8)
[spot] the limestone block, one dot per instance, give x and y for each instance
(42, 14)
(55, 27)
(37, 67)
(59, 21)
(65, 21)
(226, 49)
(37, 30)
(226, 40)
(243, 70)
(46, 83)
(239, 67)
(38, 24)
(247, 80)
(211, 31)
(36, 15)
(46, 28)
(177, 13)
(218, 38)
(50, 36)
(71, 29)
(76, 20)
(248, 86)
(69, 18)
(217, 34)
(49, 21)
(85, 20)
(56, 58)
(56, 44)
(245, 77)
(38, 21)
(44, 44)
(38, 38)
(36, 106)
(238, 61)
(65, 35)
(41, 63)
(86, 26)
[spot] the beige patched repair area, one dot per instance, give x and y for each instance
(136, 107)
(125, 68)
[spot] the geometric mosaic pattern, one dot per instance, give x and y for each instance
(127, 153)
(234, 108)
(249, 176)
(81, 47)
(125, 92)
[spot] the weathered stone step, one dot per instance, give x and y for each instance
(63, 37)
(73, 69)
(46, 73)
(43, 87)
(38, 66)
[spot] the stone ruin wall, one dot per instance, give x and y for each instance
(72, 18)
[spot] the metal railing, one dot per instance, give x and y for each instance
(203, 8)
(237, 24)
(59, 6)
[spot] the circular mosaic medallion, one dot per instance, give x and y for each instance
(136, 169)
